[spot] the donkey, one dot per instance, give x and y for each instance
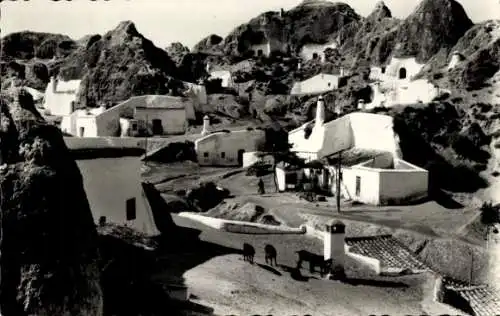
(248, 252)
(271, 254)
(314, 261)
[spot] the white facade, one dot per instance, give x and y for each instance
(225, 76)
(60, 96)
(249, 158)
(355, 130)
(318, 84)
(494, 257)
(82, 123)
(227, 148)
(158, 113)
(172, 120)
(309, 50)
(261, 49)
(113, 185)
(402, 93)
(398, 69)
(198, 93)
(380, 184)
(455, 59)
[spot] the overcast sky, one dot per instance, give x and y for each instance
(186, 21)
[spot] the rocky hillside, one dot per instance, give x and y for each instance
(309, 22)
(123, 63)
(49, 258)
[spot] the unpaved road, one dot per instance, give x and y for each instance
(231, 286)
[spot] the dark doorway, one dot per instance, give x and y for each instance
(260, 53)
(82, 131)
(130, 209)
(157, 127)
(240, 156)
(358, 186)
(402, 73)
(315, 56)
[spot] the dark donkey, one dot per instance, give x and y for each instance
(271, 254)
(248, 252)
(314, 261)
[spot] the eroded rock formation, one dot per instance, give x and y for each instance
(49, 257)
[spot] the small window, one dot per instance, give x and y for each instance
(223, 155)
(205, 154)
(329, 84)
(383, 70)
(131, 213)
(134, 126)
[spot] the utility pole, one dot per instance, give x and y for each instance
(146, 153)
(339, 170)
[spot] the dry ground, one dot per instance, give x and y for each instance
(218, 278)
(429, 218)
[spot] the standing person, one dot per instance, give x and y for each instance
(261, 186)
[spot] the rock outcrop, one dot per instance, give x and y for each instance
(48, 245)
(120, 64)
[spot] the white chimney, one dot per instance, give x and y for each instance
(361, 104)
(208, 67)
(206, 125)
(334, 247)
(342, 71)
(320, 111)
(53, 83)
(298, 65)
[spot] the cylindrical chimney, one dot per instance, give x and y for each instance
(334, 248)
(320, 111)
(206, 125)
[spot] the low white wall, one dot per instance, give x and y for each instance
(372, 263)
(242, 227)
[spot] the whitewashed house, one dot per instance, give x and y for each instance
(380, 180)
(154, 114)
(60, 96)
(395, 85)
(456, 58)
(225, 76)
(318, 84)
(372, 169)
(398, 69)
(316, 51)
(111, 171)
(403, 93)
(317, 139)
(226, 148)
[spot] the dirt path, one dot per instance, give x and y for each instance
(231, 286)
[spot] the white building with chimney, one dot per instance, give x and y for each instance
(373, 171)
(147, 114)
(316, 51)
(319, 84)
(61, 96)
(226, 148)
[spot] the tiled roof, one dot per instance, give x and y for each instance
(390, 252)
(484, 300)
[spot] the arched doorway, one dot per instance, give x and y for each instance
(240, 156)
(315, 56)
(402, 73)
